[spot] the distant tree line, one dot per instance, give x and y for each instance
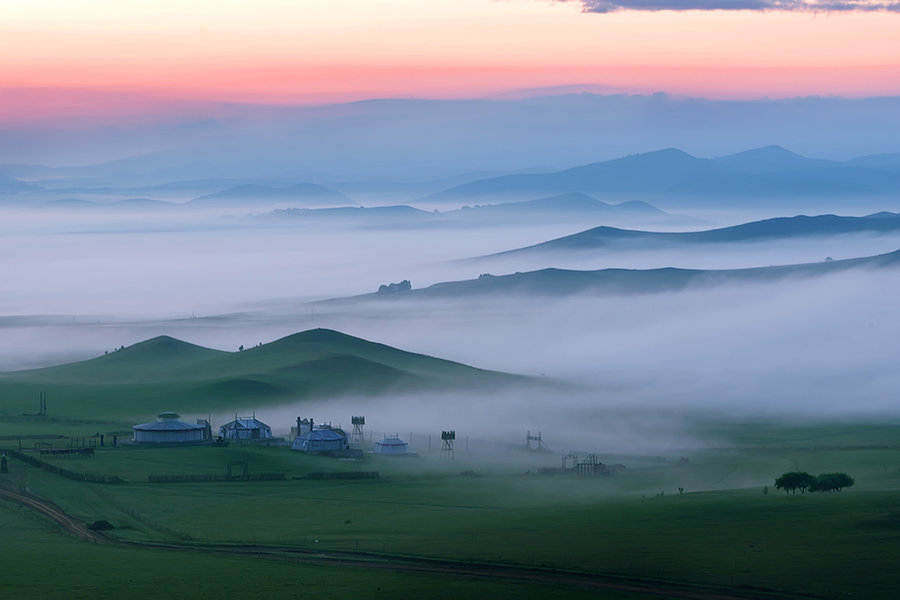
(392, 288)
(824, 482)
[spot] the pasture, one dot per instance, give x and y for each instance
(724, 528)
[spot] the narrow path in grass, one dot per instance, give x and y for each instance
(648, 588)
(55, 513)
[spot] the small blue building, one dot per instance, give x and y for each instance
(245, 428)
(168, 429)
(391, 444)
(323, 440)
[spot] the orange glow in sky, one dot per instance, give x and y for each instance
(281, 51)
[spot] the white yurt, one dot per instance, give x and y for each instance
(391, 444)
(321, 441)
(245, 428)
(167, 429)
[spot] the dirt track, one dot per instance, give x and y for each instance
(50, 510)
(652, 589)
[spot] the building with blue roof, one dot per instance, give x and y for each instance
(245, 428)
(391, 444)
(322, 440)
(168, 429)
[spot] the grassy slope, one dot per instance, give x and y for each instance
(164, 373)
(766, 230)
(560, 282)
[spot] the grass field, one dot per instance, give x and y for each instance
(723, 530)
(39, 561)
(706, 516)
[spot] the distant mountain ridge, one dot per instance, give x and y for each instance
(879, 161)
(574, 207)
(770, 159)
(402, 139)
(668, 178)
(572, 202)
(671, 175)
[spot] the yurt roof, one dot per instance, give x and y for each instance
(168, 426)
(391, 441)
(250, 423)
(323, 435)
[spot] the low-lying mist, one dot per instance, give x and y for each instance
(639, 366)
(817, 346)
(213, 266)
(143, 266)
(496, 422)
(735, 255)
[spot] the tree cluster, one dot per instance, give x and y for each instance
(393, 288)
(831, 482)
(802, 481)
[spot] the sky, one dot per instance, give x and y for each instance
(185, 78)
(75, 59)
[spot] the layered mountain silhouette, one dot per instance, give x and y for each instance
(573, 202)
(671, 175)
(562, 208)
(405, 139)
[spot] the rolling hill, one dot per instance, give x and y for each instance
(164, 373)
(780, 228)
(563, 282)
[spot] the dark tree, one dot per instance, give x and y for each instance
(393, 288)
(795, 480)
(831, 482)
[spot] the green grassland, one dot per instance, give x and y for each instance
(40, 561)
(723, 531)
(312, 364)
(725, 527)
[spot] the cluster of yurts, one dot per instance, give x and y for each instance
(306, 436)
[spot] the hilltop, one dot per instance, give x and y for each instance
(164, 372)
